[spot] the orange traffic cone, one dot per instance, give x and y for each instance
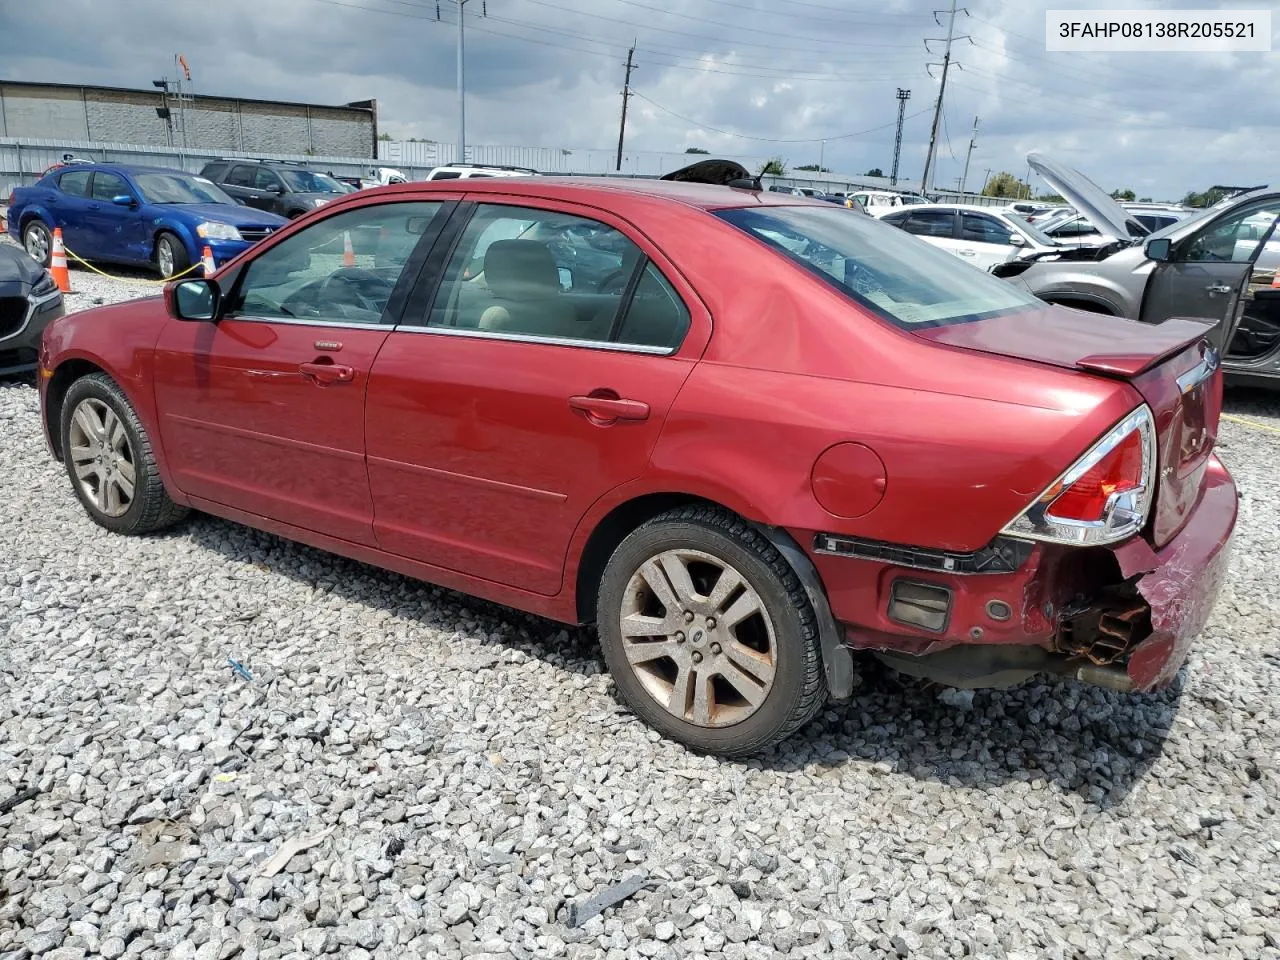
(348, 253)
(58, 262)
(1275, 279)
(206, 261)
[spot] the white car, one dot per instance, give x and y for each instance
(983, 236)
(879, 202)
(464, 171)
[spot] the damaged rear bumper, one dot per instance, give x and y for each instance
(1181, 580)
(1122, 617)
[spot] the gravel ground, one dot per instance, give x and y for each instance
(468, 774)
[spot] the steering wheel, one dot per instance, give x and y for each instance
(348, 286)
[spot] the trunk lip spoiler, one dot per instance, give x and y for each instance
(1131, 365)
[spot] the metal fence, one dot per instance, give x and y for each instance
(22, 161)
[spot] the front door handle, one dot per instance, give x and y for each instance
(1218, 288)
(965, 253)
(609, 409)
(327, 372)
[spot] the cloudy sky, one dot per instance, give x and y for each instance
(745, 78)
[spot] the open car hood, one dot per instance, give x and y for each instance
(721, 172)
(1107, 216)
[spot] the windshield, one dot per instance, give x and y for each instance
(308, 181)
(179, 187)
(1030, 230)
(901, 278)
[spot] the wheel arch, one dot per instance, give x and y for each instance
(179, 230)
(627, 516)
(64, 375)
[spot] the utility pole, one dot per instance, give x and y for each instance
(462, 88)
(965, 177)
(942, 90)
(903, 97)
(626, 95)
(822, 152)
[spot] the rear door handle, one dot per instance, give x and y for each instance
(327, 372)
(1218, 288)
(609, 409)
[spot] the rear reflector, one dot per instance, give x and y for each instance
(923, 605)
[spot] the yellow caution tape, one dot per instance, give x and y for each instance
(79, 259)
(1250, 423)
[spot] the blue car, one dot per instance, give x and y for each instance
(149, 216)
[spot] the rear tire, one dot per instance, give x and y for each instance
(732, 666)
(109, 459)
(171, 255)
(36, 239)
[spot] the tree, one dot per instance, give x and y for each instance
(874, 172)
(696, 150)
(384, 135)
(1050, 198)
(1004, 184)
(1123, 195)
(1144, 199)
(1206, 199)
(814, 168)
(774, 167)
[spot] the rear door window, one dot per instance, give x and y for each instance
(75, 183)
(241, 176)
(108, 185)
(931, 223)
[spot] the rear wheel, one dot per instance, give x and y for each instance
(38, 242)
(109, 459)
(709, 634)
(171, 255)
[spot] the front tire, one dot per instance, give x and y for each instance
(110, 461)
(38, 242)
(709, 634)
(171, 255)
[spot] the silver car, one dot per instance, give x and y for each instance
(1214, 265)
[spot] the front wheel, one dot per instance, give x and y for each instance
(108, 456)
(709, 634)
(171, 255)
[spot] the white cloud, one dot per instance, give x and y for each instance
(549, 72)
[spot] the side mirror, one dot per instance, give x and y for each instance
(122, 200)
(194, 300)
(1016, 240)
(566, 278)
(1158, 250)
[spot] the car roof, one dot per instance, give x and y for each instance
(967, 207)
(601, 191)
(115, 168)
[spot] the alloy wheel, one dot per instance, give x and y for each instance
(698, 638)
(102, 457)
(164, 257)
(37, 244)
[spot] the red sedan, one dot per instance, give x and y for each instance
(743, 433)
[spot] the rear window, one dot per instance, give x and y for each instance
(907, 282)
(76, 183)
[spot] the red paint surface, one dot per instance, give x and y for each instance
(466, 461)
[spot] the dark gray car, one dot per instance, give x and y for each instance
(29, 300)
(1206, 266)
(284, 188)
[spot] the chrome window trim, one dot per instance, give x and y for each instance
(1201, 372)
(529, 338)
(297, 322)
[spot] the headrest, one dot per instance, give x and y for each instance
(517, 269)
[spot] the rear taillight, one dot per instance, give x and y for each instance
(1105, 496)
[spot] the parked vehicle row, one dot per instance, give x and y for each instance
(142, 216)
(984, 236)
(519, 391)
(29, 301)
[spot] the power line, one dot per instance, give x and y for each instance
(743, 136)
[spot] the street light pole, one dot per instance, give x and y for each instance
(462, 90)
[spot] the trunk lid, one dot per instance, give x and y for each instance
(1170, 364)
(1108, 217)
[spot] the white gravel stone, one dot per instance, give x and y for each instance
(1050, 820)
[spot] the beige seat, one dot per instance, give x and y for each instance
(524, 284)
